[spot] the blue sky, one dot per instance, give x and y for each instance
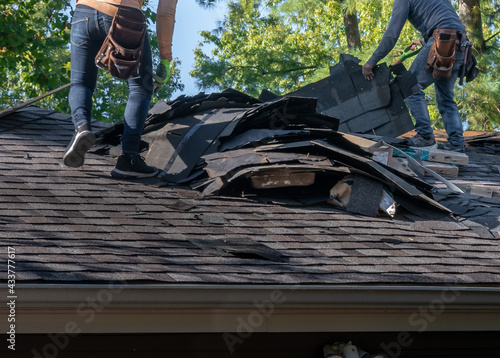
(190, 20)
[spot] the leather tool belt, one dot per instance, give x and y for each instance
(122, 49)
(442, 54)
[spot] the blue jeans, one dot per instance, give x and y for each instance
(445, 92)
(88, 31)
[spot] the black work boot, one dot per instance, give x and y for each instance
(454, 148)
(131, 167)
(82, 141)
(422, 142)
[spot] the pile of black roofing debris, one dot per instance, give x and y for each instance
(488, 142)
(371, 107)
(280, 151)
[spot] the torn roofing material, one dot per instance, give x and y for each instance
(81, 226)
(177, 147)
(489, 141)
(279, 149)
(373, 107)
(243, 247)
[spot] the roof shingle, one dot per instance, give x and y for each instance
(81, 225)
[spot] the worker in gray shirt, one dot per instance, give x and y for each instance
(427, 16)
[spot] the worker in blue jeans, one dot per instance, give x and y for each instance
(445, 91)
(89, 29)
(426, 16)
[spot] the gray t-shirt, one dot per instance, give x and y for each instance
(424, 15)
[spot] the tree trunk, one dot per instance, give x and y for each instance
(352, 30)
(470, 14)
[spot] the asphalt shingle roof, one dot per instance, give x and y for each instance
(81, 225)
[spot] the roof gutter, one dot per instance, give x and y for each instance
(123, 307)
(129, 296)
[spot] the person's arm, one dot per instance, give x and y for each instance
(400, 11)
(165, 21)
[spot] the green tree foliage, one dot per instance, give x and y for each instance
(256, 46)
(32, 34)
(479, 100)
(282, 45)
(35, 58)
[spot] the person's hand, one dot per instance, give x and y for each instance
(162, 75)
(415, 44)
(368, 71)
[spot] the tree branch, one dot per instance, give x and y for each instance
(289, 70)
(263, 72)
(491, 37)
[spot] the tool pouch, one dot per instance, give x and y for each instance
(442, 54)
(121, 51)
(471, 70)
